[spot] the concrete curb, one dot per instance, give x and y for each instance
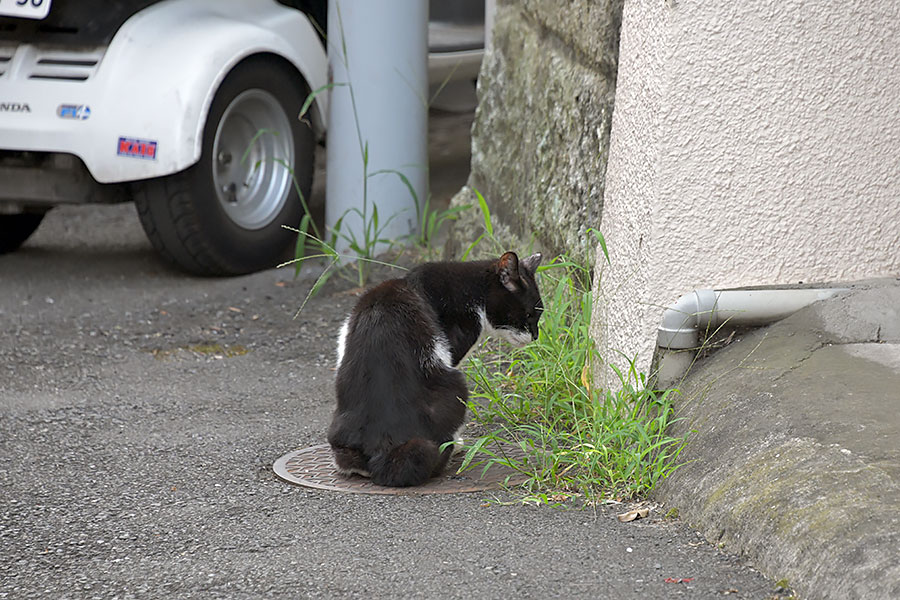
(795, 457)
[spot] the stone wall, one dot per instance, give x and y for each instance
(541, 133)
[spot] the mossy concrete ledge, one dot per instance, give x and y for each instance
(541, 133)
(794, 460)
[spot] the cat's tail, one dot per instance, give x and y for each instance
(412, 463)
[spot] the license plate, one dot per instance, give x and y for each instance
(25, 9)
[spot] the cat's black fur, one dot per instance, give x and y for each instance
(399, 393)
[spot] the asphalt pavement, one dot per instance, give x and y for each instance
(140, 414)
(141, 411)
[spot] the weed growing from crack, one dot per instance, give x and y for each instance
(577, 438)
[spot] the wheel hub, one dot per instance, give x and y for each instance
(253, 150)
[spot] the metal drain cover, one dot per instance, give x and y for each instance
(314, 467)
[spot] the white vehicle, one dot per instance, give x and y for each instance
(187, 107)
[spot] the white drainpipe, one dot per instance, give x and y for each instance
(678, 336)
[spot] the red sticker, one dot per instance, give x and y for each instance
(137, 148)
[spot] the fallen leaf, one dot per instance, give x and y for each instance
(679, 579)
(234, 309)
(632, 515)
(586, 377)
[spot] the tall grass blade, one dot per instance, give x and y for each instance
(602, 241)
(311, 97)
(486, 213)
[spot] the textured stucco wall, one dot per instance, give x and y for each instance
(541, 131)
(752, 143)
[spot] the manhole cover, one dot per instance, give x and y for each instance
(314, 467)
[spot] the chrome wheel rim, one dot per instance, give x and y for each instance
(252, 151)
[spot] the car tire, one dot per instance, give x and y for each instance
(15, 229)
(225, 214)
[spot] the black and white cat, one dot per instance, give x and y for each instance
(399, 393)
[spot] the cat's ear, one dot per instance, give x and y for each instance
(532, 262)
(508, 269)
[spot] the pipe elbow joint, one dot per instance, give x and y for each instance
(680, 324)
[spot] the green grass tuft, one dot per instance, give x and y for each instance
(578, 439)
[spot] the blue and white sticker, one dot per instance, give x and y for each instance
(78, 112)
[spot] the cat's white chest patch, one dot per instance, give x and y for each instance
(342, 340)
(439, 354)
(442, 352)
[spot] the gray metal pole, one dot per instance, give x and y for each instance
(490, 9)
(378, 55)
